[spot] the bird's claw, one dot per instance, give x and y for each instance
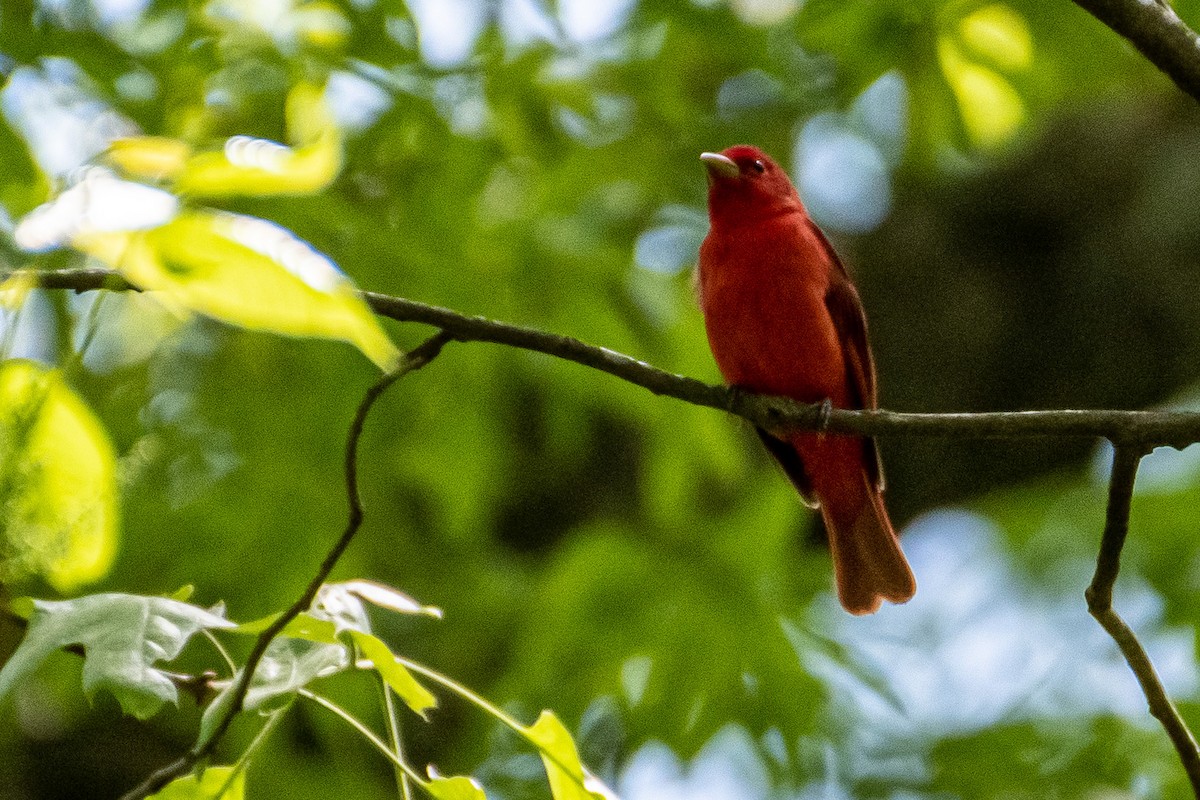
(824, 415)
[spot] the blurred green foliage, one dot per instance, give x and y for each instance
(629, 561)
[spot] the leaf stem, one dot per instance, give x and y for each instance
(259, 738)
(465, 693)
(392, 719)
(367, 733)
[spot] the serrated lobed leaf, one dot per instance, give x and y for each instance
(123, 637)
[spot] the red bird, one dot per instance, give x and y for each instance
(783, 318)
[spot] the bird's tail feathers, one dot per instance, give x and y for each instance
(868, 562)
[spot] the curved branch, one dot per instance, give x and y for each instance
(1099, 600)
(1145, 428)
(414, 360)
(1154, 28)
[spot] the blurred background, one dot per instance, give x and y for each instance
(1015, 190)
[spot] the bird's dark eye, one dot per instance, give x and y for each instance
(759, 167)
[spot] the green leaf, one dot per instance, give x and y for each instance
(313, 629)
(568, 778)
(206, 786)
(289, 664)
(395, 674)
(148, 157)
(382, 596)
(992, 111)
(58, 484)
(123, 636)
(258, 167)
(247, 272)
(999, 34)
(457, 787)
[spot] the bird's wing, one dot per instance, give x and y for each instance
(850, 322)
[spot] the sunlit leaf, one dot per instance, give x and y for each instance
(764, 12)
(259, 167)
(58, 486)
(457, 787)
(384, 596)
(215, 783)
(999, 34)
(313, 629)
(247, 272)
(395, 674)
(149, 157)
(289, 664)
(15, 288)
(288, 23)
(123, 637)
(991, 109)
(98, 204)
(568, 778)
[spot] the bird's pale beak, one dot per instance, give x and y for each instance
(720, 166)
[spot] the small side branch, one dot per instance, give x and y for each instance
(1099, 600)
(1154, 28)
(414, 360)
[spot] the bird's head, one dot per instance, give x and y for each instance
(744, 180)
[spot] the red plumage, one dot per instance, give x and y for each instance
(783, 318)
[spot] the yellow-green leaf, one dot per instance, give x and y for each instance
(15, 288)
(98, 204)
(568, 778)
(58, 485)
(152, 157)
(991, 109)
(217, 783)
(306, 626)
(303, 626)
(457, 787)
(247, 272)
(259, 167)
(999, 34)
(395, 674)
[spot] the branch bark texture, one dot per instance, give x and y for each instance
(1099, 600)
(1154, 28)
(1146, 428)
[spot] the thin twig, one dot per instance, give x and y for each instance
(1148, 428)
(414, 360)
(366, 733)
(1154, 28)
(1099, 599)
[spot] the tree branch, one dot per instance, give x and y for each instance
(1154, 28)
(414, 360)
(1147, 428)
(1099, 600)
